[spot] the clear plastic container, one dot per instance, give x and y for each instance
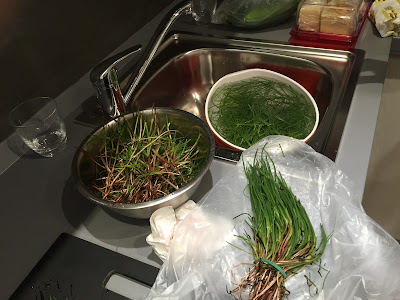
(330, 20)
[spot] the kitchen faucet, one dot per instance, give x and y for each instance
(113, 100)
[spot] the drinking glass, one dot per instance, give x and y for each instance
(39, 125)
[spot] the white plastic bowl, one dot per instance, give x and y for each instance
(250, 73)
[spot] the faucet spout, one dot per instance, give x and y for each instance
(104, 76)
(184, 9)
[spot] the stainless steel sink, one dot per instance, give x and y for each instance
(186, 66)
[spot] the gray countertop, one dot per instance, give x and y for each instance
(40, 200)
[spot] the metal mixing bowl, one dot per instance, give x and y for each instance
(83, 168)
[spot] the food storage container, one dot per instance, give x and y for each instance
(333, 22)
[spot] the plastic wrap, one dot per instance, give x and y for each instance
(363, 260)
(162, 224)
(309, 15)
(385, 15)
(254, 13)
(330, 16)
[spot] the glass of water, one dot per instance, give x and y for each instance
(39, 125)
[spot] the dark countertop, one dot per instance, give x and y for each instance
(45, 47)
(41, 201)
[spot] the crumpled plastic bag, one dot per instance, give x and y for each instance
(363, 260)
(162, 224)
(385, 15)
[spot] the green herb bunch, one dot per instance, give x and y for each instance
(283, 240)
(141, 160)
(249, 110)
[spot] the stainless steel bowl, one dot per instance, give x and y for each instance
(83, 169)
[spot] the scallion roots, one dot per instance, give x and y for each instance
(141, 160)
(283, 240)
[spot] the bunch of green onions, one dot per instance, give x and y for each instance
(140, 160)
(283, 241)
(248, 110)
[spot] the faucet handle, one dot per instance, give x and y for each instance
(104, 78)
(100, 70)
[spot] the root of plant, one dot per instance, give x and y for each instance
(141, 160)
(283, 240)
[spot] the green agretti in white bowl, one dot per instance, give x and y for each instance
(243, 107)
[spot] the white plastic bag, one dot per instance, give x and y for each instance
(162, 224)
(385, 15)
(362, 259)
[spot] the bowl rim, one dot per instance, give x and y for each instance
(136, 206)
(257, 72)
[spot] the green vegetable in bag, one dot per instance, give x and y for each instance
(254, 13)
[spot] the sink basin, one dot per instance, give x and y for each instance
(186, 66)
